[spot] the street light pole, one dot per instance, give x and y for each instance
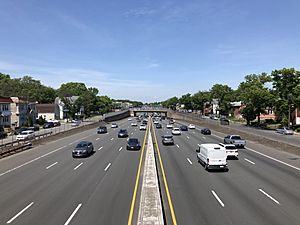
(289, 103)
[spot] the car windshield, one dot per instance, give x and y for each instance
(230, 147)
(81, 145)
(133, 141)
(236, 137)
(168, 136)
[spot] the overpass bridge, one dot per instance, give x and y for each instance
(139, 111)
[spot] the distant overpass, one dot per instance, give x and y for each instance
(138, 111)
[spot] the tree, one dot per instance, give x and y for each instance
(72, 89)
(224, 95)
(171, 103)
(255, 95)
(186, 100)
(199, 99)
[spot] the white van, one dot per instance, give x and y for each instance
(212, 156)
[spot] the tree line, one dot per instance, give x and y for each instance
(89, 102)
(278, 91)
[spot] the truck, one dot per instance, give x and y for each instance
(235, 140)
(212, 156)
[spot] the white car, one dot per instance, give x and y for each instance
(169, 126)
(26, 135)
(192, 126)
(176, 131)
(231, 150)
(285, 130)
(133, 124)
(129, 119)
(155, 122)
(114, 125)
(143, 127)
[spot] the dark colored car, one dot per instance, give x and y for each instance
(122, 133)
(171, 121)
(56, 123)
(183, 128)
(133, 144)
(83, 148)
(224, 121)
(48, 125)
(167, 140)
(20, 130)
(102, 130)
(3, 134)
(205, 131)
(158, 126)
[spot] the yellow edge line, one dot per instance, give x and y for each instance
(165, 179)
(137, 180)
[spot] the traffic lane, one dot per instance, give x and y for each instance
(286, 157)
(262, 174)
(191, 199)
(68, 190)
(245, 193)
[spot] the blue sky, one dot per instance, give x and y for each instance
(147, 50)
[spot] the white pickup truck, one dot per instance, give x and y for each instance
(235, 140)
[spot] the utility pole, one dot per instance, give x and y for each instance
(289, 103)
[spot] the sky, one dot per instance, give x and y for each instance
(148, 50)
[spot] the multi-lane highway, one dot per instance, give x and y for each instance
(45, 185)
(256, 190)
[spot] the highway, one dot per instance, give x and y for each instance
(256, 190)
(45, 185)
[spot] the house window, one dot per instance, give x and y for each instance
(5, 107)
(6, 119)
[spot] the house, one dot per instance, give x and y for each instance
(47, 111)
(5, 112)
(61, 110)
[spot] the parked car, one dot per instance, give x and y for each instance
(122, 133)
(158, 126)
(205, 131)
(102, 130)
(133, 144)
(176, 131)
(114, 125)
(212, 156)
(285, 130)
(20, 130)
(191, 126)
(48, 125)
(83, 148)
(235, 139)
(26, 135)
(75, 123)
(184, 128)
(231, 150)
(167, 140)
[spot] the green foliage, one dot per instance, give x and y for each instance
(199, 99)
(171, 103)
(73, 89)
(224, 94)
(186, 100)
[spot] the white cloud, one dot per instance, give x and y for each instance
(153, 65)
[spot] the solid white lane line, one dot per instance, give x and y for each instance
(48, 167)
(187, 137)
(177, 145)
(204, 137)
(78, 166)
(189, 161)
(277, 160)
(217, 197)
(70, 143)
(249, 161)
(108, 165)
(120, 149)
(73, 214)
(21, 212)
(112, 139)
(269, 196)
(97, 139)
(31, 161)
(100, 148)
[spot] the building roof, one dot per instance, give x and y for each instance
(5, 100)
(45, 108)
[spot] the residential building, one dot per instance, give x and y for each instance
(19, 111)
(5, 112)
(61, 110)
(47, 111)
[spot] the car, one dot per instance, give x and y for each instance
(184, 128)
(205, 131)
(3, 134)
(169, 126)
(134, 124)
(158, 126)
(235, 139)
(83, 148)
(20, 130)
(285, 130)
(167, 140)
(102, 130)
(231, 150)
(114, 125)
(171, 121)
(129, 119)
(75, 123)
(155, 122)
(133, 144)
(191, 126)
(143, 127)
(176, 131)
(25, 135)
(122, 133)
(48, 125)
